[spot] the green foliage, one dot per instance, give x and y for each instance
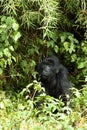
(28, 30)
(9, 36)
(18, 111)
(69, 42)
(47, 27)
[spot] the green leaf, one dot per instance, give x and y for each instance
(2, 107)
(20, 106)
(86, 79)
(4, 36)
(77, 93)
(73, 57)
(56, 48)
(54, 35)
(50, 43)
(14, 58)
(3, 18)
(2, 63)
(11, 48)
(9, 61)
(6, 52)
(1, 71)
(63, 38)
(24, 66)
(15, 26)
(2, 27)
(81, 65)
(1, 54)
(9, 21)
(17, 36)
(72, 48)
(66, 45)
(23, 63)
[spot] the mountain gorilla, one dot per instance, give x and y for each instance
(54, 77)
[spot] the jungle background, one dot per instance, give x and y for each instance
(30, 30)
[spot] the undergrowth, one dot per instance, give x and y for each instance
(20, 112)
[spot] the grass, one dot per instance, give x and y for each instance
(17, 113)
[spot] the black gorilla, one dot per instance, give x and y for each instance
(54, 77)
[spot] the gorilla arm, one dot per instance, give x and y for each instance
(64, 83)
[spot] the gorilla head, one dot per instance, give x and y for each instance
(48, 68)
(54, 77)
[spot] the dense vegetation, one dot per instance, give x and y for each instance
(30, 29)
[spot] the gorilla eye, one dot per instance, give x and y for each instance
(50, 62)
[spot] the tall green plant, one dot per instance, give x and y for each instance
(47, 27)
(9, 36)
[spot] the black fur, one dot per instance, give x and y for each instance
(54, 77)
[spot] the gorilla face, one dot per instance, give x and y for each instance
(47, 69)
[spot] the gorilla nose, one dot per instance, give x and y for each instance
(44, 75)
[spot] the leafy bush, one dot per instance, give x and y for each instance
(19, 112)
(47, 27)
(30, 29)
(9, 36)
